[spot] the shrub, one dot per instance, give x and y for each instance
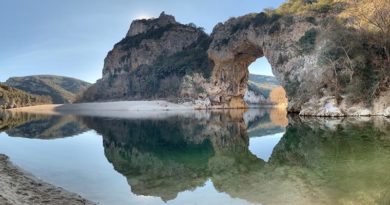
(352, 56)
(274, 28)
(291, 86)
(281, 59)
(260, 19)
(324, 8)
(289, 20)
(308, 40)
(242, 23)
(256, 20)
(311, 20)
(305, 6)
(135, 41)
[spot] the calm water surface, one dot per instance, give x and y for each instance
(235, 157)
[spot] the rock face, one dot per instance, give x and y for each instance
(59, 89)
(151, 61)
(161, 58)
(234, 49)
(251, 97)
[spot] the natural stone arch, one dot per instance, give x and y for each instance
(294, 46)
(233, 50)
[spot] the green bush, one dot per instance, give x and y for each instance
(291, 86)
(311, 20)
(257, 20)
(242, 23)
(12, 96)
(134, 41)
(324, 8)
(260, 19)
(305, 6)
(274, 28)
(308, 40)
(282, 59)
(289, 20)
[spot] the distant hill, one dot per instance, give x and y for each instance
(40, 126)
(265, 90)
(60, 89)
(11, 97)
(262, 84)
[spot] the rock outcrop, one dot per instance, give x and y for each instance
(152, 60)
(322, 74)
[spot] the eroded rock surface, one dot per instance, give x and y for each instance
(152, 60)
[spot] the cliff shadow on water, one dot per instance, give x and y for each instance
(316, 161)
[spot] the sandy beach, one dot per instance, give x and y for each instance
(19, 188)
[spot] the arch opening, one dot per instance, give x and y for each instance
(263, 89)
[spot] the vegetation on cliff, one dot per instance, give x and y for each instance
(59, 89)
(357, 36)
(11, 98)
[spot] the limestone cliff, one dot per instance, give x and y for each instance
(151, 61)
(327, 66)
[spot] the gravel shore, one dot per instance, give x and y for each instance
(20, 188)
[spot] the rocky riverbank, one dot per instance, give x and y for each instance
(18, 187)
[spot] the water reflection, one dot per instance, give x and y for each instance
(40, 126)
(249, 156)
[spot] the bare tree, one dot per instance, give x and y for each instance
(374, 15)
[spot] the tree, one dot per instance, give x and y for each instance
(278, 96)
(5, 98)
(374, 15)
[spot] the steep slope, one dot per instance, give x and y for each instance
(11, 98)
(60, 89)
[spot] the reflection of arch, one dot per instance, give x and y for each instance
(303, 167)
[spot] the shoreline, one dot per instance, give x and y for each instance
(18, 187)
(142, 109)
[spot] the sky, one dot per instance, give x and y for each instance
(72, 37)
